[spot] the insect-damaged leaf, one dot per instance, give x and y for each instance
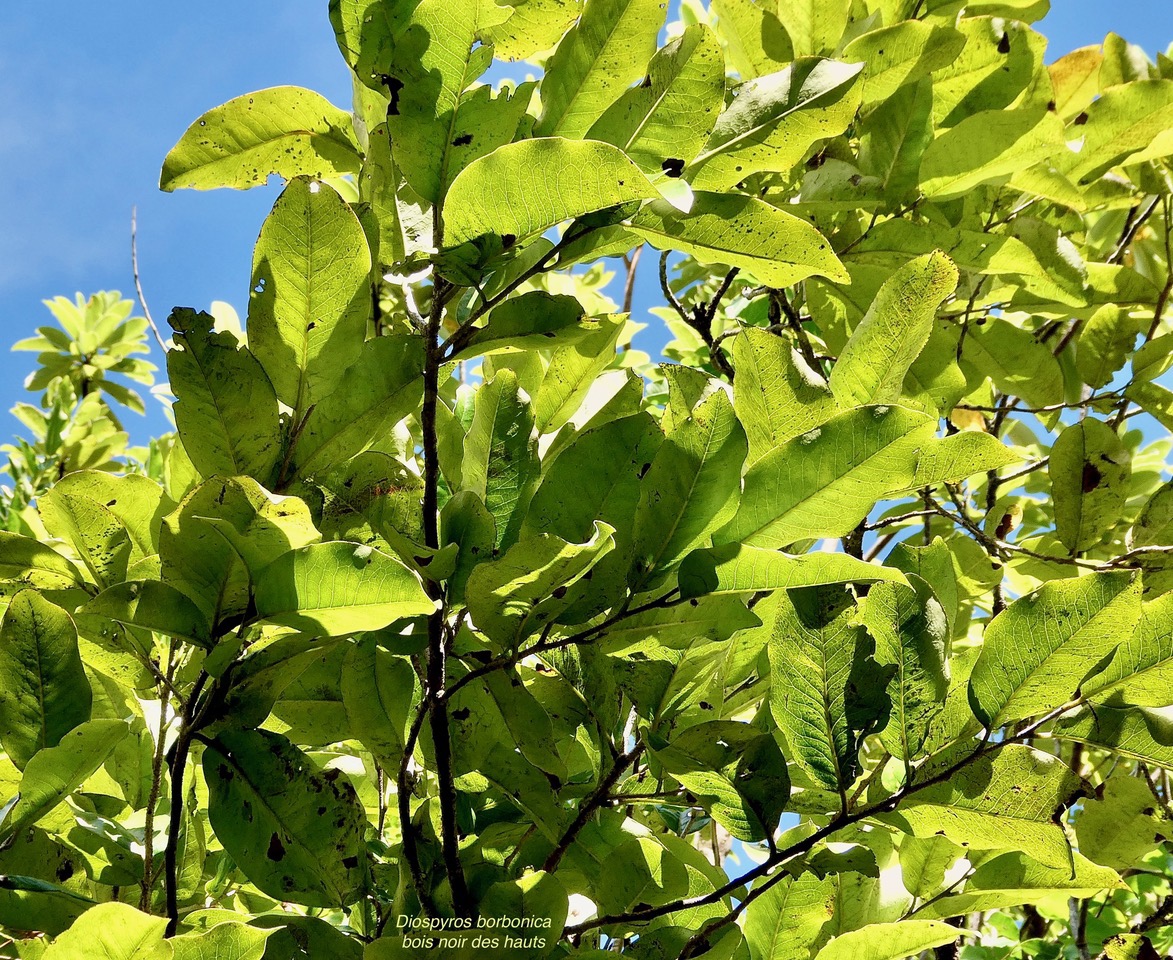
(295, 831)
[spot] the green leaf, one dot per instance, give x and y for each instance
(776, 247)
(691, 488)
(873, 365)
(1089, 469)
(34, 564)
(527, 588)
(824, 482)
(1104, 345)
(953, 458)
(533, 320)
(734, 568)
(988, 146)
(1155, 400)
(1137, 732)
(999, 61)
(113, 931)
(287, 131)
(754, 39)
(383, 385)
(1013, 878)
(677, 626)
(572, 372)
(775, 120)
(522, 189)
(1041, 649)
(55, 772)
(736, 772)
(538, 898)
(233, 940)
(500, 463)
(334, 589)
(901, 53)
(295, 832)
(1118, 827)
(826, 691)
(311, 298)
(273, 525)
(911, 633)
(894, 135)
(787, 921)
(662, 124)
(152, 605)
(93, 530)
(1014, 360)
(433, 64)
(890, 941)
(1008, 800)
(1142, 670)
(225, 410)
(44, 691)
(533, 27)
(1122, 122)
(595, 62)
(815, 26)
(134, 499)
(377, 690)
(777, 396)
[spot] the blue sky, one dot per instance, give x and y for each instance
(93, 95)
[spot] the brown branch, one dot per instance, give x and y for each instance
(588, 806)
(156, 784)
(632, 264)
(193, 710)
(403, 790)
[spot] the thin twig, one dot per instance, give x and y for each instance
(138, 286)
(156, 783)
(588, 806)
(632, 264)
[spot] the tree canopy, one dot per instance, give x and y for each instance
(448, 624)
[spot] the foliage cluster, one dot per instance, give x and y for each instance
(848, 635)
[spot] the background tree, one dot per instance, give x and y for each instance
(445, 612)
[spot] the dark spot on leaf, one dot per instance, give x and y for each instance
(1081, 119)
(644, 469)
(1091, 477)
(64, 870)
(321, 811)
(350, 862)
(647, 82)
(331, 775)
(559, 593)
(508, 240)
(463, 140)
(310, 326)
(673, 166)
(1051, 106)
(1005, 525)
(693, 603)
(111, 503)
(276, 849)
(705, 705)
(622, 182)
(461, 714)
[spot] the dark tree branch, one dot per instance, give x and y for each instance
(588, 806)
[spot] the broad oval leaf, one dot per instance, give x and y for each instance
(596, 60)
(311, 295)
(55, 772)
(873, 365)
(152, 605)
(778, 248)
(525, 188)
(662, 123)
(1090, 469)
(225, 410)
(34, 564)
(296, 832)
(890, 941)
(824, 482)
(44, 691)
(339, 588)
(1041, 649)
(775, 119)
(113, 931)
(287, 131)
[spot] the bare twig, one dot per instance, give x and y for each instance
(138, 286)
(632, 263)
